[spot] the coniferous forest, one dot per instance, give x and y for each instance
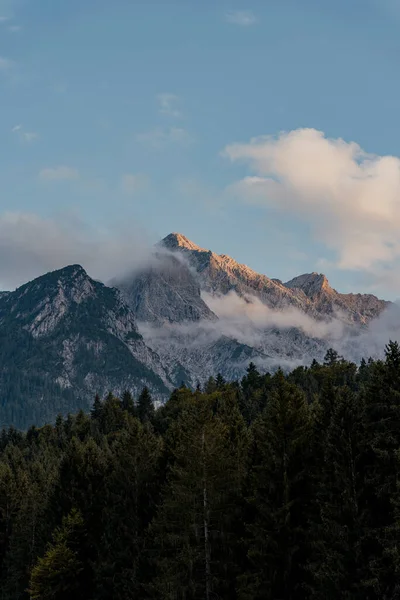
(277, 487)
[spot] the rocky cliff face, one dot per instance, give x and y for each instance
(65, 337)
(237, 314)
(310, 293)
(166, 291)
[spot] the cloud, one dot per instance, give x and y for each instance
(131, 184)
(5, 63)
(31, 245)
(25, 136)
(60, 173)
(15, 28)
(160, 138)
(168, 105)
(350, 199)
(4, 19)
(244, 18)
(30, 136)
(250, 313)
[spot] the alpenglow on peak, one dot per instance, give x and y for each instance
(178, 240)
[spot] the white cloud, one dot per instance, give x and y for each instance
(5, 63)
(60, 173)
(168, 105)
(244, 18)
(350, 199)
(160, 138)
(131, 184)
(31, 245)
(15, 28)
(4, 19)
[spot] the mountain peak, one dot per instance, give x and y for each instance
(178, 240)
(311, 283)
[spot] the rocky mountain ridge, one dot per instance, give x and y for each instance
(65, 337)
(187, 314)
(311, 293)
(237, 314)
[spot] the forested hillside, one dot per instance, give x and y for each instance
(277, 487)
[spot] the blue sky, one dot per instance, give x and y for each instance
(117, 116)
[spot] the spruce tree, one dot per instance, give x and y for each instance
(128, 403)
(381, 538)
(279, 497)
(190, 535)
(337, 561)
(96, 408)
(59, 574)
(145, 406)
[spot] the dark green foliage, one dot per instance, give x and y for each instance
(280, 487)
(59, 574)
(145, 408)
(279, 496)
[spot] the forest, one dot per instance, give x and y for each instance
(281, 486)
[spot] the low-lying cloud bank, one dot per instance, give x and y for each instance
(286, 338)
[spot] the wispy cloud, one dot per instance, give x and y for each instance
(244, 18)
(30, 136)
(131, 184)
(160, 138)
(169, 105)
(4, 19)
(31, 245)
(15, 28)
(60, 173)
(25, 136)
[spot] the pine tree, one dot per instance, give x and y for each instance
(251, 397)
(96, 408)
(130, 495)
(145, 406)
(128, 403)
(279, 486)
(190, 534)
(59, 573)
(382, 441)
(331, 357)
(220, 382)
(337, 560)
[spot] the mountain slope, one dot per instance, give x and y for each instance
(165, 292)
(237, 314)
(64, 337)
(310, 293)
(355, 308)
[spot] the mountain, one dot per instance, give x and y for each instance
(311, 293)
(187, 314)
(205, 313)
(165, 291)
(354, 308)
(64, 337)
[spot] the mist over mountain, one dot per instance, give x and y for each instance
(182, 315)
(237, 313)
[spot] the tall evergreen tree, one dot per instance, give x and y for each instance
(278, 544)
(59, 574)
(191, 529)
(145, 407)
